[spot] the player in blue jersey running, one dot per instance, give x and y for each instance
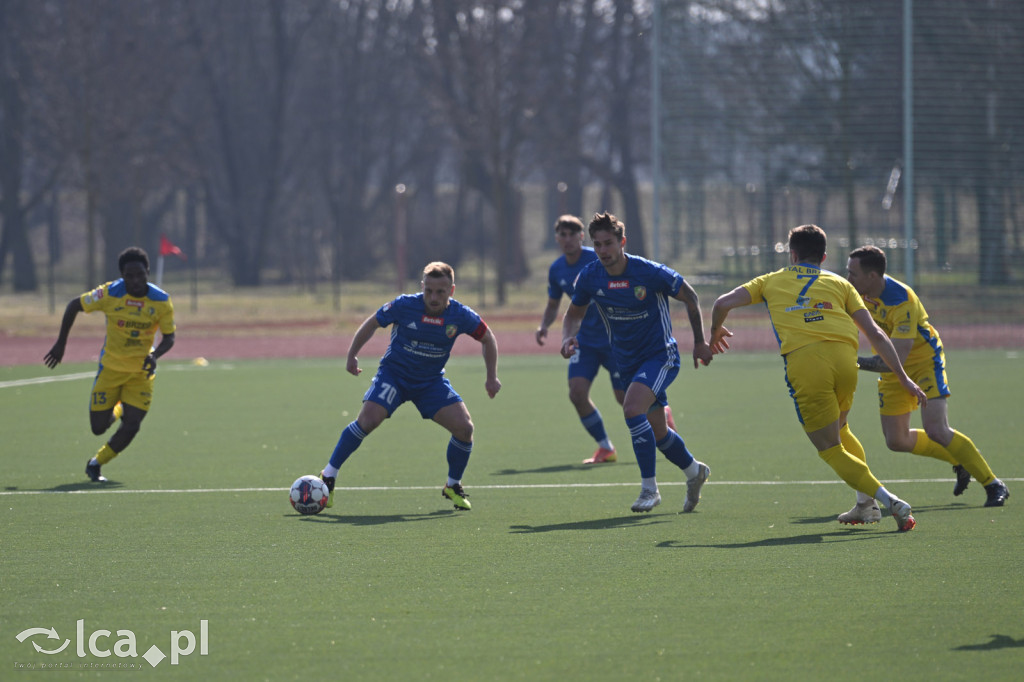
(424, 327)
(123, 389)
(595, 349)
(632, 296)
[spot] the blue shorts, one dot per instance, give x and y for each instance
(586, 362)
(656, 373)
(389, 390)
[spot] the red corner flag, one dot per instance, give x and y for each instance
(169, 249)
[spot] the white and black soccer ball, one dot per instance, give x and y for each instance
(309, 495)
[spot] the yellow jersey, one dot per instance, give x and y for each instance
(132, 323)
(806, 305)
(900, 314)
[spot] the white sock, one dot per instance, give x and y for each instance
(606, 444)
(649, 483)
(883, 496)
(692, 470)
(93, 462)
(330, 472)
(863, 498)
(452, 482)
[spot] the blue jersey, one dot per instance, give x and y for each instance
(561, 280)
(421, 343)
(634, 307)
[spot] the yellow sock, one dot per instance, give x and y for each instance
(105, 454)
(851, 444)
(965, 452)
(926, 447)
(852, 470)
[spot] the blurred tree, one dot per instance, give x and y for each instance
(477, 61)
(29, 166)
(239, 122)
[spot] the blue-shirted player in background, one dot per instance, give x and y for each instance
(594, 351)
(424, 327)
(632, 295)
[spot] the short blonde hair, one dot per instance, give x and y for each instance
(569, 222)
(439, 269)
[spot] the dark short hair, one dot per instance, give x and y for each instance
(607, 222)
(871, 258)
(808, 242)
(133, 254)
(568, 222)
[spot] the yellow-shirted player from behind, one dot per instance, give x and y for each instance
(899, 312)
(123, 389)
(816, 314)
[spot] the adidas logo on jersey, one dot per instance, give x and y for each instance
(411, 325)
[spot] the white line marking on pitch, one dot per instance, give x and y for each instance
(14, 383)
(100, 490)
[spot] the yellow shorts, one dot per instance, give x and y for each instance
(131, 388)
(929, 373)
(822, 379)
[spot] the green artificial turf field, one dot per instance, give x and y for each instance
(549, 577)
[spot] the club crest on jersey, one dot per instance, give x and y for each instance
(640, 293)
(451, 330)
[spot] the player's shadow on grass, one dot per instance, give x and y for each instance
(927, 509)
(809, 539)
(556, 469)
(376, 520)
(593, 524)
(998, 642)
(84, 485)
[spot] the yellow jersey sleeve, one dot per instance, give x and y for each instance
(807, 305)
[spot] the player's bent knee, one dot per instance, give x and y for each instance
(129, 427)
(463, 432)
(897, 444)
(99, 422)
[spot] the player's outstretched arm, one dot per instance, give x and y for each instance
(550, 313)
(490, 350)
(701, 350)
(56, 353)
(872, 363)
(875, 363)
(736, 298)
(571, 322)
(166, 343)
(365, 332)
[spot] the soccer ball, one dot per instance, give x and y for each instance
(309, 495)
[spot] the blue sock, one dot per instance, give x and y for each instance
(595, 426)
(458, 458)
(351, 438)
(675, 450)
(643, 445)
